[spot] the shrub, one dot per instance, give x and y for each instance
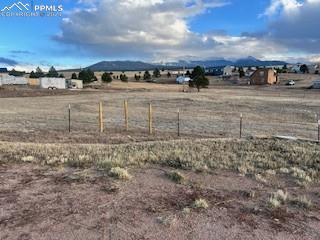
(106, 77)
(119, 173)
(176, 177)
(200, 204)
(277, 198)
(302, 202)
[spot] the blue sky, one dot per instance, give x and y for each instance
(160, 30)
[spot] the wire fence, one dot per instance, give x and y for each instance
(119, 115)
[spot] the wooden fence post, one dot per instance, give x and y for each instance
(69, 117)
(318, 128)
(150, 119)
(126, 115)
(101, 117)
(241, 119)
(178, 122)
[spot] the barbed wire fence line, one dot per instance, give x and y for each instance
(152, 117)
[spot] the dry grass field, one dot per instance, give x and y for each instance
(203, 189)
(214, 112)
(205, 184)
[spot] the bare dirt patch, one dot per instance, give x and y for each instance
(66, 203)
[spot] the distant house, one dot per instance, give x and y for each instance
(314, 69)
(214, 71)
(228, 71)
(74, 84)
(263, 76)
(295, 68)
(3, 70)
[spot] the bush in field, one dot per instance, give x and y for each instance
(123, 78)
(119, 173)
(147, 75)
(74, 76)
(176, 177)
(106, 77)
(302, 202)
(137, 77)
(87, 76)
(156, 73)
(200, 204)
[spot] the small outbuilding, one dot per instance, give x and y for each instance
(263, 76)
(75, 84)
(12, 80)
(53, 83)
(228, 71)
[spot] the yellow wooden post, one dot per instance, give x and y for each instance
(150, 119)
(126, 115)
(101, 117)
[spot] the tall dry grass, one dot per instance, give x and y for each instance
(255, 156)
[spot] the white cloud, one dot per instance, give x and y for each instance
(286, 6)
(158, 30)
(298, 31)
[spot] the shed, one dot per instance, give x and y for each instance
(11, 80)
(214, 71)
(75, 84)
(228, 71)
(316, 84)
(53, 83)
(264, 76)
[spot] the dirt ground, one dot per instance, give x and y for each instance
(64, 203)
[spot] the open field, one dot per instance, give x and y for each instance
(214, 112)
(220, 189)
(121, 184)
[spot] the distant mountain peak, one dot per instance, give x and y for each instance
(142, 66)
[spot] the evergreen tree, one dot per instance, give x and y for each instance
(241, 72)
(146, 75)
(199, 79)
(156, 73)
(39, 73)
(106, 77)
(52, 73)
(123, 78)
(87, 76)
(74, 76)
(304, 68)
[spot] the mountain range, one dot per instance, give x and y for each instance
(142, 66)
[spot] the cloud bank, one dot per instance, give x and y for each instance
(159, 30)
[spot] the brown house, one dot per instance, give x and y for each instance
(264, 76)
